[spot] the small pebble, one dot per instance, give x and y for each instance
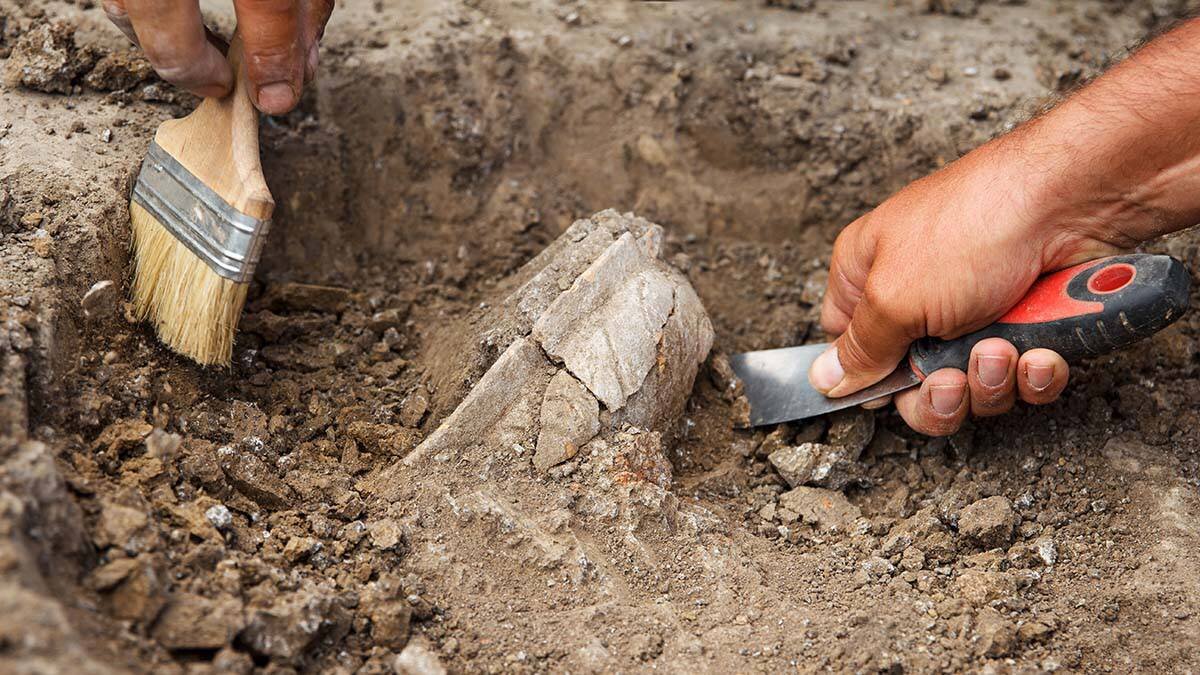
(219, 516)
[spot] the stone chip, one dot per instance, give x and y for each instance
(570, 417)
(192, 622)
(990, 522)
(825, 509)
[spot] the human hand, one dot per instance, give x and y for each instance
(280, 38)
(1115, 164)
(945, 256)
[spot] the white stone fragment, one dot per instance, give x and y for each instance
(607, 326)
(570, 418)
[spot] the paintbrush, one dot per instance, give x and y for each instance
(200, 213)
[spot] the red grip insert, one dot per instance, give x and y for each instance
(1048, 299)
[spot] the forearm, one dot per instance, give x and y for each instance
(1121, 158)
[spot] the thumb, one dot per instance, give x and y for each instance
(874, 342)
(270, 31)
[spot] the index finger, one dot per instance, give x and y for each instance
(273, 52)
(172, 34)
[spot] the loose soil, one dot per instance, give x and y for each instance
(155, 516)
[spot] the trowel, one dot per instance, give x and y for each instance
(1090, 309)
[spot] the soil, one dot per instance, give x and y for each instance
(155, 516)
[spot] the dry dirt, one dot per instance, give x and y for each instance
(155, 516)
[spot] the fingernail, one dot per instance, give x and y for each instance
(992, 369)
(946, 398)
(277, 97)
(1039, 376)
(826, 371)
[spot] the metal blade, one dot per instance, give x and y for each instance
(776, 384)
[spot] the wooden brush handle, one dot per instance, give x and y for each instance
(218, 144)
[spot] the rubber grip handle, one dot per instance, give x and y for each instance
(1093, 308)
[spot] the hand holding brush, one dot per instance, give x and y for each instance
(200, 213)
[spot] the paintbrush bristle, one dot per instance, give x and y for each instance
(194, 310)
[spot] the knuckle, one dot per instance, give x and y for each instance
(852, 354)
(992, 404)
(885, 300)
(939, 426)
(176, 66)
(270, 56)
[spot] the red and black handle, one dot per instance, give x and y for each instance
(1086, 310)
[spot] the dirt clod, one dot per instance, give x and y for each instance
(825, 509)
(194, 622)
(46, 59)
(990, 522)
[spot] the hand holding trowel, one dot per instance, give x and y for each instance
(1113, 165)
(1086, 310)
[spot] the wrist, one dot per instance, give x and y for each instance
(1079, 185)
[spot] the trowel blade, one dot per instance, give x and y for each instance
(776, 384)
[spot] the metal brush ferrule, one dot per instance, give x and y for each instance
(220, 235)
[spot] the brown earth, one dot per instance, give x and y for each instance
(155, 516)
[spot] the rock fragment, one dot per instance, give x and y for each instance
(824, 509)
(605, 328)
(996, 635)
(125, 527)
(916, 529)
(46, 59)
(623, 333)
(386, 533)
(961, 494)
(162, 445)
(293, 623)
(299, 549)
(194, 622)
(133, 589)
(219, 516)
(851, 430)
(252, 477)
(120, 70)
(570, 417)
(1034, 632)
(638, 457)
(390, 614)
(795, 463)
(414, 406)
(980, 586)
(101, 300)
(819, 464)
(1046, 550)
(499, 410)
(121, 435)
(990, 522)
(299, 297)
(418, 658)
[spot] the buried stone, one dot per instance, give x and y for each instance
(600, 334)
(831, 465)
